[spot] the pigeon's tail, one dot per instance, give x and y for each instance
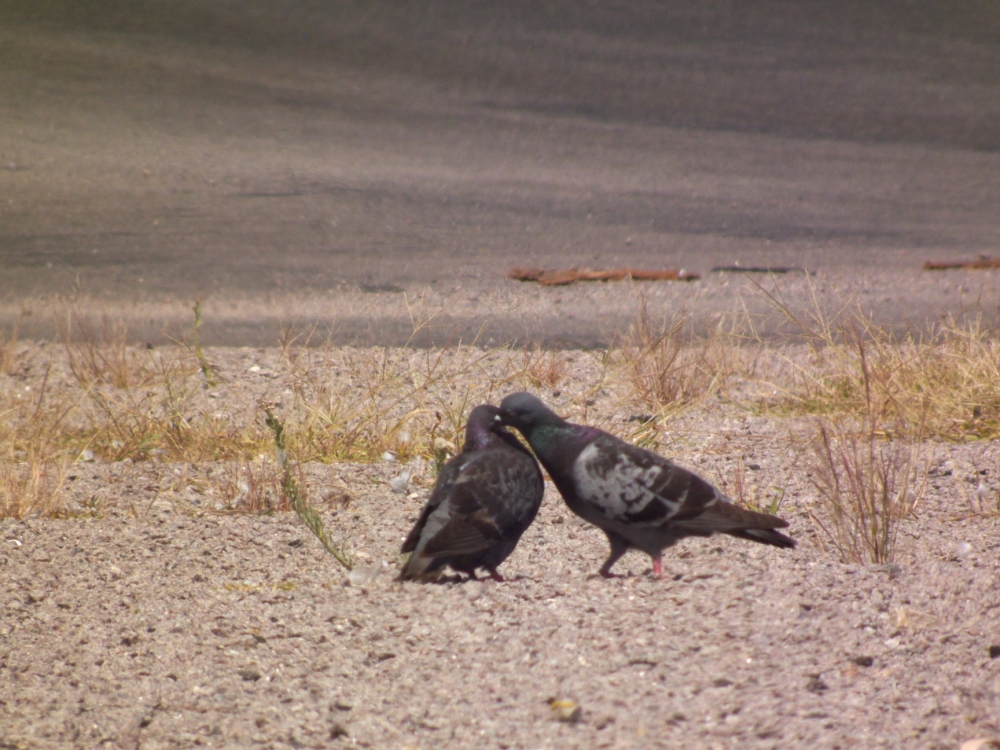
(759, 527)
(764, 536)
(416, 567)
(728, 518)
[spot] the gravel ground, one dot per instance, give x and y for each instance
(154, 622)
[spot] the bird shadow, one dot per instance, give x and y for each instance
(460, 578)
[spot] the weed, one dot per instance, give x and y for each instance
(33, 464)
(208, 371)
(668, 368)
(868, 486)
(104, 357)
(251, 486)
(8, 343)
(291, 480)
(947, 382)
(543, 368)
(984, 501)
(759, 496)
(355, 405)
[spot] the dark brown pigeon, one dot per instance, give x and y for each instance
(637, 498)
(484, 499)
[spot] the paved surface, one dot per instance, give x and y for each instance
(258, 155)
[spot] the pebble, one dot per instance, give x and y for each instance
(565, 711)
(400, 484)
(362, 575)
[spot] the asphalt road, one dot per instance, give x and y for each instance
(256, 153)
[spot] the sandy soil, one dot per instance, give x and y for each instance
(150, 620)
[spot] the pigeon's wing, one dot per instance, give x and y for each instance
(464, 535)
(513, 489)
(450, 473)
(693, 504)
(634, 486)
(482, 503)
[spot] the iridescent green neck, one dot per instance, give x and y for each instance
(545, 439)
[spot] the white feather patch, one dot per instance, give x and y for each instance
(622, 489)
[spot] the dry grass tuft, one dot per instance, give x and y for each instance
(754, 489)
(668, 368)
(355, 405)
(251, 486)
(33, 460)
(876, 396)
(101, 355)
(8, 343)
(868, 484)
(947, 382)
(139, 402)
(31, 486)
(867, 487)
(544, 368)
(983, 501)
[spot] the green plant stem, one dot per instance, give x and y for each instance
(297, 500)
(206, 368)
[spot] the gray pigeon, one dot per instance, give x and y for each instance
(484, 499)
(639, 499)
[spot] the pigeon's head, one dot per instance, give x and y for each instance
(482, 427)
(525, 412)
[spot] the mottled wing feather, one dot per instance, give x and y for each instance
(464, 536)
(686, 494)
(487, 495)
(449, 474)
(698, 507)
(635, 486)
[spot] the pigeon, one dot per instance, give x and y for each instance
(484, 499)
(637, 498)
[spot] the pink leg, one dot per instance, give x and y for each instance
(658, 566)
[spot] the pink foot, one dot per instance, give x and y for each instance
(658, 567)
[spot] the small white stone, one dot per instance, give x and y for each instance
(362, 575)
(401, 483)
(389, 457)
(963, 549)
